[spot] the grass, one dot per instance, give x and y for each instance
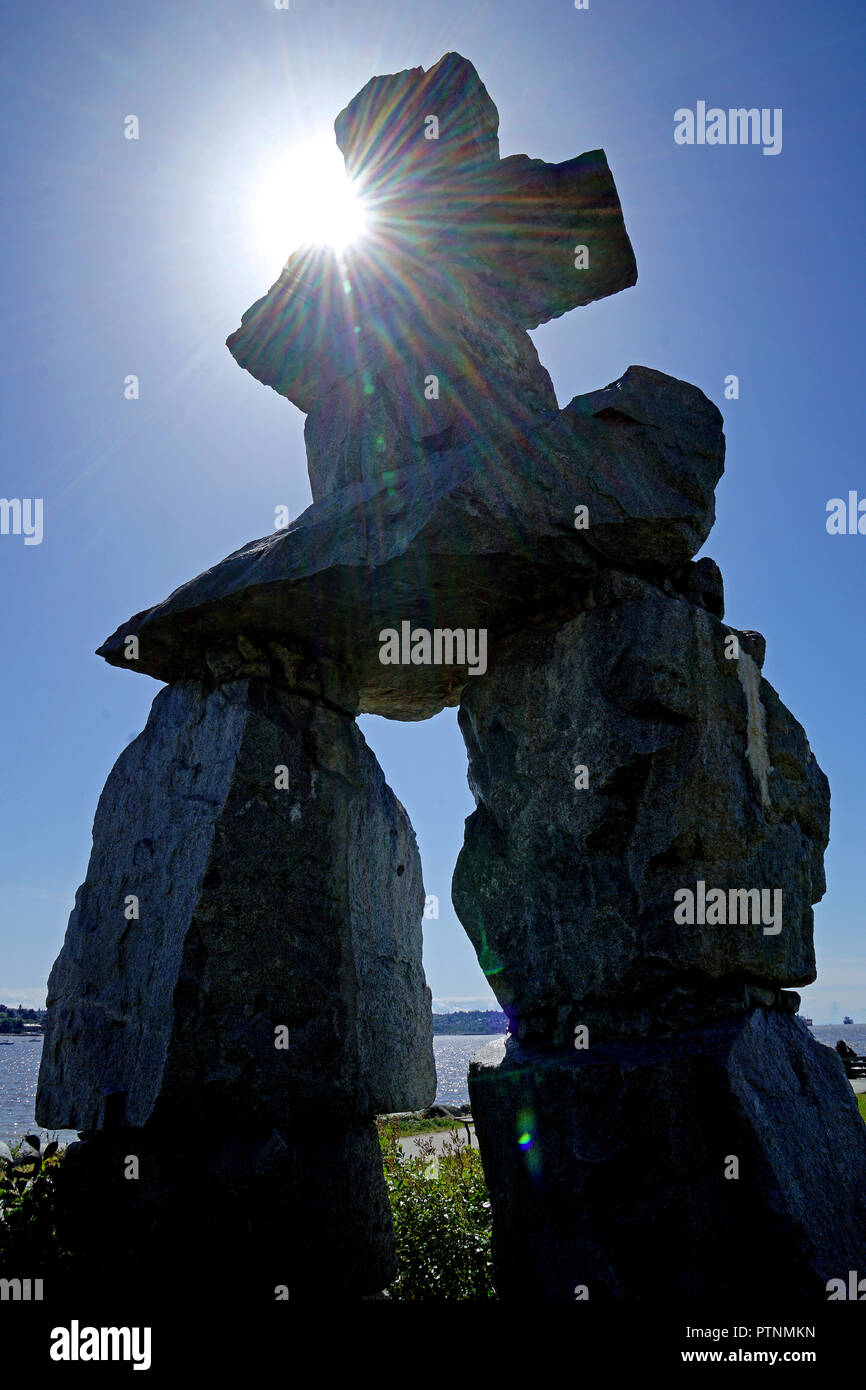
(861, 1101)
(428, 1126)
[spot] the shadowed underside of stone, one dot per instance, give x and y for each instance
(476, 539)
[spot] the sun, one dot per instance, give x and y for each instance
(304, 195)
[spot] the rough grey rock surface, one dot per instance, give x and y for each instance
(619, 1183)
(696, 772)
(482, 248)
(259, 906)
(400, 399)
(377, 132)
(480, 538)
(511, 223)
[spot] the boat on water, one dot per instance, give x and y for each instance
(847, 1019)
(6, 1042)
(804, 1019)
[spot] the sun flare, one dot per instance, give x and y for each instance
(305, 196)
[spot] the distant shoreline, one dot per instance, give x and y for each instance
(476, 1024)
(470, 1023)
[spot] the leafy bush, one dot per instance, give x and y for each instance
(416, 1124)
(439, 1202)
(441, 1211)
(28, 1203)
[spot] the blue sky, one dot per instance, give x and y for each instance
(137, 257)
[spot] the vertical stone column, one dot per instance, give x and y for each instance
(638, 881)
(240, 992)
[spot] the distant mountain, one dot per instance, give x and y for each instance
(471, 1021)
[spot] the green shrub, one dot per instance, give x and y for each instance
(441, 1211)
(416, 1125)
(440, 1206)
(28, 1205)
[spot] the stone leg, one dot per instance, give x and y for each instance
(722, 1161)
(241, 980)
(301, 1212)
(638, 882)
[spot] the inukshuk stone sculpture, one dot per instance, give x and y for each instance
(638, 877)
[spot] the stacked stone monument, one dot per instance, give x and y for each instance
(639, 874)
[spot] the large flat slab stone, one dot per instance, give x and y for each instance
(476, 538)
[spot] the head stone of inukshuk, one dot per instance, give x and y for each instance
(413, 340)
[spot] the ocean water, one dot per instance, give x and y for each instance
(452, 1055)
(854, 1034)
(19, 1069)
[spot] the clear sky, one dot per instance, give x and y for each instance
(139, 256)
